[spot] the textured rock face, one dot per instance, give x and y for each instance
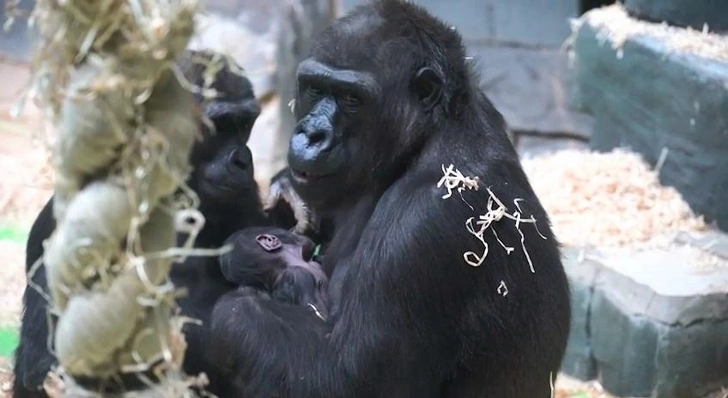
(652, 322)
(530, 88)
(15, 44)
(682, 12)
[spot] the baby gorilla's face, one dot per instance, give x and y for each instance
(279, 262)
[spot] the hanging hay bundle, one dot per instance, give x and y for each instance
(104, 74)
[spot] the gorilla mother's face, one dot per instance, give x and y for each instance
(334, 107)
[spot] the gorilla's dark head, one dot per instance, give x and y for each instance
(223, 165)
(376, 75)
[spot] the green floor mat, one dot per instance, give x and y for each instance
(8, 341)
(14, 234)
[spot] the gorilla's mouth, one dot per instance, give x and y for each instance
(224, 188)
(306, 177)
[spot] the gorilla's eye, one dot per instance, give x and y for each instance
(350, 101)
(313, 93)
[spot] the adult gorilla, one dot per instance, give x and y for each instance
(385, 100)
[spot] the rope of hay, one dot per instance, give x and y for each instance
(103, 72)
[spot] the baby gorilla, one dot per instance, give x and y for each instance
(277, 262)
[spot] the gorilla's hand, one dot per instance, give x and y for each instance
(283, 198)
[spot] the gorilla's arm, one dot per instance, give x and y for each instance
(35, 360)
(397, 327)
(42, 228)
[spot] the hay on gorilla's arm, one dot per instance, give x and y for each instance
(453, 179)
(103, 72)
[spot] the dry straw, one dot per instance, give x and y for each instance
(495, 211)
(104, 73)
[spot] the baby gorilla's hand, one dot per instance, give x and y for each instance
(303, 285)
(278, 262)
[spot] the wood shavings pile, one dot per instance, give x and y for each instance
(616, 26)
(569, 387)
(607, 199)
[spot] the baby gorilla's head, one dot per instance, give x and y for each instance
(279, 262)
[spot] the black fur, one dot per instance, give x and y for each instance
(287, 271)
(385, 101)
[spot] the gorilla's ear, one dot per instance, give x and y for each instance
(427, 85)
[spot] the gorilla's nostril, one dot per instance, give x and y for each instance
(240, 164)
(237, 160)
(316, 137)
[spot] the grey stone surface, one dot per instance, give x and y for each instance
(711, 241)
(254, 50)
(539, 144)
(652, 322)
(682, 12)
(15, 43)
(535, 22)
(652, 99)
(579, 358)
(677, 349)
(667, 285)
(624, 347)
(531, 88)
(538, 23)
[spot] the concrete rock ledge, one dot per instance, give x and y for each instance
(682, 12)
(651, 322)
